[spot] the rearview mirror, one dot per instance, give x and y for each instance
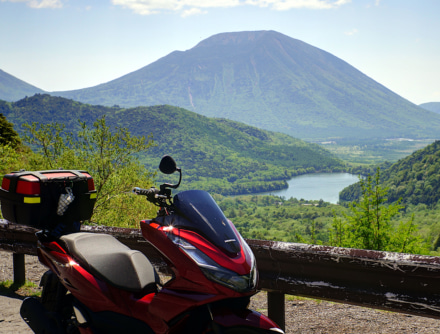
(167, 165)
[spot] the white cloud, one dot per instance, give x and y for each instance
(435, 96)
(376, 3)
(296, 4)
(40, 3)
(191, 7)
(193, 11)
(351, 32)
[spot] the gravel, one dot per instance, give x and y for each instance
(302, 315)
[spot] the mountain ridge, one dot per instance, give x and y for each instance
(431, 106)
(272, 81)
(13, 89)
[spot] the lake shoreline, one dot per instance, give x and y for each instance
(315, 186)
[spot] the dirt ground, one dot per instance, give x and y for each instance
(302, 315)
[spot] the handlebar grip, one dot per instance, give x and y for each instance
(149, 193)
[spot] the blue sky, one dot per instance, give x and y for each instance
(70, 44)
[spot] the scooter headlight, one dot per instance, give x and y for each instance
(216, 273)
(230, 279)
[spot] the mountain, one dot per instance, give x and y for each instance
(431, 106)
(218, 155)
(414, 178)
(13, 89)
(271, 81)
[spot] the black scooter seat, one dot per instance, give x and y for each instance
(107, 258)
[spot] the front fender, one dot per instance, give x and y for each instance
(246, 318)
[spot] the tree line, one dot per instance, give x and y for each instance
(111, 156)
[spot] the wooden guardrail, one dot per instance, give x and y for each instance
(390, 281)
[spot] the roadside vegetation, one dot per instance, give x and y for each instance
(111, 156)
(370, 223)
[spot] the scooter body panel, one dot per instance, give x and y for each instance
(244, 318)
(214, 274)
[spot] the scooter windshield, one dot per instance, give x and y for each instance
(197, 210)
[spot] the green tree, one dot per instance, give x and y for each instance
(109, 156)
(52, 143)
(10, 159)
(8, 136)
(339, 233)
(369, 224)
(13, 154)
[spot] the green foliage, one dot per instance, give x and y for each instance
(109, 153)
(13, 155)
(8, 136)
(51, 141)
(9, 159)
(318, 222)
(109, 156)
(414, 179)
(275, 218)
(369, 224)
(217, 155)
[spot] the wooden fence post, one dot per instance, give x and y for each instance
(276, 308)
(19, 268)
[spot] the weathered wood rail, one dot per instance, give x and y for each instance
(390, 281)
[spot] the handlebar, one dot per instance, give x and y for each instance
(144, 192)
(162, 197)
(153, 195)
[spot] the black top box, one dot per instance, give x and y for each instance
(44, 199)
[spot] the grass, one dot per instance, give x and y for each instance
(298, 298)
(28, 289)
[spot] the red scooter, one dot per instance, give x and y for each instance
(98, 285)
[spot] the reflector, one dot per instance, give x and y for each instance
(5, 183)
(28, 188)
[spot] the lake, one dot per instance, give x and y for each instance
(325, 186)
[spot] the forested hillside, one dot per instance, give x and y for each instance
(100, 151)
(215, 154)
(415, 179)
